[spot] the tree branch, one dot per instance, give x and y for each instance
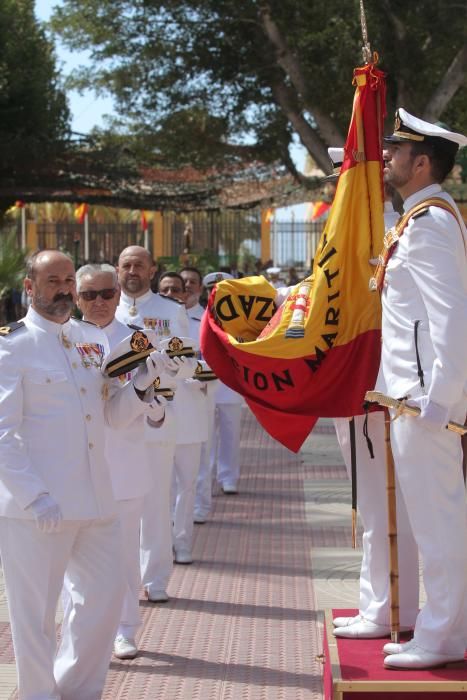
(452, 80)
(308, 136)
(286, 59)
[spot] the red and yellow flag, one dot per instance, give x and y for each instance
(80, 212)
(319, 352)
(319, 209)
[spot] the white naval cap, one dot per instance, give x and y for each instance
(213, 278)
(179, 346)
(336, 155)
(410, 128)
(273, 270)
(128, 354)
(203, 372)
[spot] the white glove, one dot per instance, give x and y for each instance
(182, 367)
(154, 366)
(156, 412)
(47, 513)
(432, 415)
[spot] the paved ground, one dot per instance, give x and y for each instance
(244, 621)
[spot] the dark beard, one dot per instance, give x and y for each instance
(59, 306)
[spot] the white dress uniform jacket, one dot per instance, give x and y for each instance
(426, 275)
(163, 315)
(53, 411)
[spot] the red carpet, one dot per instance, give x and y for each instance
(359, 663)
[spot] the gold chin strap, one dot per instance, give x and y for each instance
(407, 135)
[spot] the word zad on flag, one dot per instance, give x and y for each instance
(318, 352)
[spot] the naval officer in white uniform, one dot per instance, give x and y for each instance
(372, 621)
(225, 450)
(191, 412)
(166, 318)
(424, 330)
(133, 477)
(57, 511)
(139, 305)
(203, 500)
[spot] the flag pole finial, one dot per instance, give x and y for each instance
(366, 49)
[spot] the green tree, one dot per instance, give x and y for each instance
(34, 114)
(196, 80)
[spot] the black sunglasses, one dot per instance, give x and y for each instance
(92, 294)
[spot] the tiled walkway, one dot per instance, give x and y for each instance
(244, 621)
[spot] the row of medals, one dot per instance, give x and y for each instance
(160, 325)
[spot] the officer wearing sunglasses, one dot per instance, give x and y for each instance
(98, 293)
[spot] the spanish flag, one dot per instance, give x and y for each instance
(80, 212)
(319, 209)
(318, 352)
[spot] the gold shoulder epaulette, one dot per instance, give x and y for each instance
(11, 328)
(420, 212)
(177, 301)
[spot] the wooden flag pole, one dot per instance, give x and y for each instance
(353, 472)
(392, 532)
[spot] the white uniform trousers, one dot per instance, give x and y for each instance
(226, 444)
(429, 468)
(203, 499)
(185, 475)
(374, 603)
(156, 555)
(131, 511)
(34, 565)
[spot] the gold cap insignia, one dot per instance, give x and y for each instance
(397, 122)
(5, 330)
(156, 383)
(199, 368)
(139, 341)
(175, 344)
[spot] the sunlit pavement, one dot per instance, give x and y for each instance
(245, 619)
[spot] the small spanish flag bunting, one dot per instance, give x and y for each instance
(80, 212)
(319, 209)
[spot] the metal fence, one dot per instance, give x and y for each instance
(231, 235)
(227, 237)
(106, 241)
(294, 243)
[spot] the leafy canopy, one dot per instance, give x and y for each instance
(203, 80)
(34, 114)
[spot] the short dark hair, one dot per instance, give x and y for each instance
(173, 275)
(193, 269)
(441, 152)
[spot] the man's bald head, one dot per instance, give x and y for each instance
(135, 270)
(51, 284)
(42, 258)
(138, 251)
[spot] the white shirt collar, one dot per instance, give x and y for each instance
(136, 301)
(419, 196)
(46, 325)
